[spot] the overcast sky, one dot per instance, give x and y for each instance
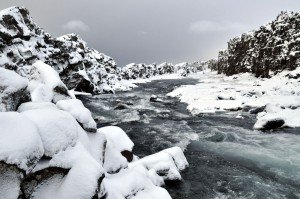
(154, 30)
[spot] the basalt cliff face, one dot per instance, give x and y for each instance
(272, 48)
(23, 42)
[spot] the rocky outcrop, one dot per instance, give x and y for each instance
(23, 42)
(13, 90)
(272, 48)
(134, 71)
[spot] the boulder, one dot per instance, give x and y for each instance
(83, 116)
(57, 129)
(45, 84)
(13, 90)
(20, 142)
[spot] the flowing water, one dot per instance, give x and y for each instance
(228, 159)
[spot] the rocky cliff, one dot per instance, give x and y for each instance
(134, 71)
(23, 42)
(272, 48)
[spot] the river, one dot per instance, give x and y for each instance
(228, 159)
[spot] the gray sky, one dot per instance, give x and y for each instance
(154, 30)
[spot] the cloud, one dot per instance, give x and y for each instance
(205, 26)
(76, 25)
(141, 32)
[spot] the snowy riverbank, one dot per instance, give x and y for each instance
(50, 146)
(276, 100)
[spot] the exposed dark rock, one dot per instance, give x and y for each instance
(128, 155)
(273, 124)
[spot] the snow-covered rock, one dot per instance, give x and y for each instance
(140, 183)
(118, 138)
(272, 48)
(58, 129)
(74, 174)
(162, 163)
(35, 105)
(20, 143)
(275, 116)
(144, 71)
(178, 157)
(118, 150)
(45, 84)
(79, 112)
(13, 90)
(23, 42)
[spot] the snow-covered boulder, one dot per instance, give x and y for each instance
(82, 179)
(45, 84)
(58, 129)
(20, 143)
(118, 150)
(135, 182)
(162, 163)
(13, 90)
(275, 116)
(35, 105)
(178, 157)
(119, 140)
(79, 112)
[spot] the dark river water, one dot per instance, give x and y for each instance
(228, 159)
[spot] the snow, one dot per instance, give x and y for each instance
(58, 129)
(82, 179)
(117, 137)
(131, 183)
(275, 112)
(11, 81)
(13, 90)
(117, 141)
(162, 163)
(113, 159)
(97, 146)
(219, 93)
(35, 105)
(178, 157)
(76, 108)
(20, 143)
(44, 83)
(14, 11)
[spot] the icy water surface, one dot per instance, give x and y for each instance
(228, 159)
